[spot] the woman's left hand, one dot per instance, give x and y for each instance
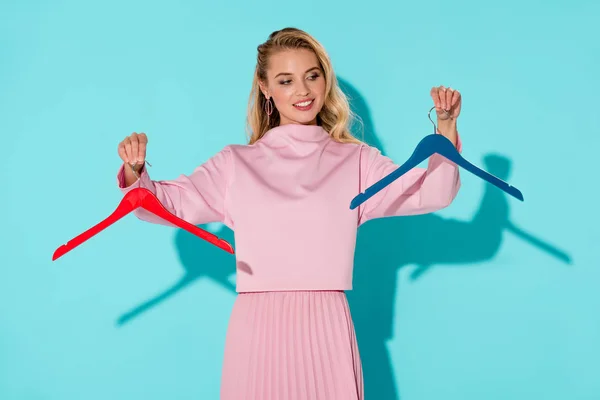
(447, 102)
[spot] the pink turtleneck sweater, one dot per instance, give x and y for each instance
(287, 199)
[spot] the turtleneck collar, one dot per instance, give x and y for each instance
(299, 132)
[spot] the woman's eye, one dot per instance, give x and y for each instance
(288, 81)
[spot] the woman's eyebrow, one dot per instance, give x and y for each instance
(288, 73)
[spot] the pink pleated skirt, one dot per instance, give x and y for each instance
(292, 345)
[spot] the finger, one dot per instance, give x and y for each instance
(449, 94)
(142, 140)
(134, 148)
(122, 152)
(436, 98)
(127, 143)
(442, 93)
(455, 97)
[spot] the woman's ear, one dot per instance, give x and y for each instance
(263, 89)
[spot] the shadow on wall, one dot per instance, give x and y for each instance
(427, 241)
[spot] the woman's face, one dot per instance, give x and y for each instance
(296, 84)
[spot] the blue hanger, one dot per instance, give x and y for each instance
(430, 144)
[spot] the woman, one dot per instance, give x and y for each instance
(286, 196)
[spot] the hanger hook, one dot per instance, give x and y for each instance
(429, 116)
(135, 173)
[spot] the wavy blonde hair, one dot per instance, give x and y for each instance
(335, 115)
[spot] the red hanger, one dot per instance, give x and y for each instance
(144, 198)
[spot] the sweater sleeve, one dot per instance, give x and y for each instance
(418, 191)
(197, 198)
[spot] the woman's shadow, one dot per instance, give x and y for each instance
(383, 247)
(422, 242)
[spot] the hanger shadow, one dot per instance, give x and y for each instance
(199, 260)
(425, 241)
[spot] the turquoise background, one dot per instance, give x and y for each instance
(489, 299)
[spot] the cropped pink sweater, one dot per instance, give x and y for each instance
(287, 200)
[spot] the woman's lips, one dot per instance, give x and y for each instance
(304, 105)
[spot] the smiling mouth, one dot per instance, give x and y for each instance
(304, 105)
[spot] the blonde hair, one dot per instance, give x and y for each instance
(335, 116)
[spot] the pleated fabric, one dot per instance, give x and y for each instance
(292, 345)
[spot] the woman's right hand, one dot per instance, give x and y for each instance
(132, 150)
